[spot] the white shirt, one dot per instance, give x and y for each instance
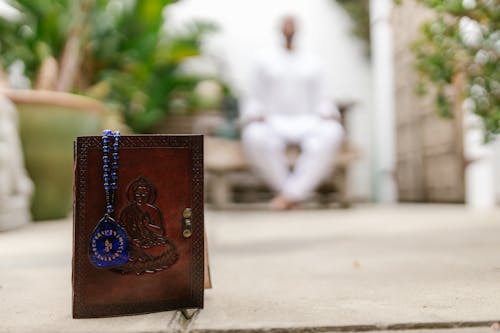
(287, 84)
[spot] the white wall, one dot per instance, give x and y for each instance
(324, 28)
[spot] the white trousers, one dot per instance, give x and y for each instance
(265, 145)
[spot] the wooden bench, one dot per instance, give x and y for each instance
(227, 172)
(226, 168)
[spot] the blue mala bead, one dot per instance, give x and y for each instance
(108, 243)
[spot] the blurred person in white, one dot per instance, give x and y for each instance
(287, 105)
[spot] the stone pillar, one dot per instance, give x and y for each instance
(383, 130)
(15, 185)
(480, 168)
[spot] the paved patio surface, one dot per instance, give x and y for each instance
(408, 268)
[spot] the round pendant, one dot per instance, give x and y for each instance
(108, 244)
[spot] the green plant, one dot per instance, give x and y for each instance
(114, 50)
(138, 63)
(359, 10)
(458, 55)
(39, 33)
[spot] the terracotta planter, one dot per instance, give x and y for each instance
(48, 123)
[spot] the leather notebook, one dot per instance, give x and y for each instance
(159, 208)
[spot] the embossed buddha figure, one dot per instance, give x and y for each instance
(142, 220)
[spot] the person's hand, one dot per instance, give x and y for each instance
(333, 116)
(254, 120)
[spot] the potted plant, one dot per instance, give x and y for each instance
(114, 52)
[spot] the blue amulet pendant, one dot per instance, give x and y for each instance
(108, 244)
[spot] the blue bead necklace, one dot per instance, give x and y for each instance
(108, 243)
(110, 181)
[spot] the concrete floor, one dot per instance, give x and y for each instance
(419, 268)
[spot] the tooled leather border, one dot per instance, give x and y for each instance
(192, 142)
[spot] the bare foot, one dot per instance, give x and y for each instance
(280, 203)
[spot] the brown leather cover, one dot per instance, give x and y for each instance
(173, 166)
